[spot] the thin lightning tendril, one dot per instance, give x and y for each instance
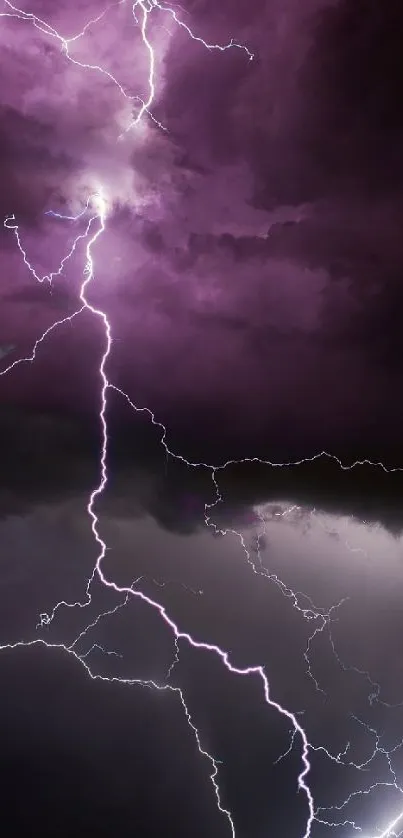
(96, 209)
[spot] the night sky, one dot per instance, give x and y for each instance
(203, 210)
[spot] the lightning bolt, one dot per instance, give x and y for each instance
(96, 214)
(10, 224)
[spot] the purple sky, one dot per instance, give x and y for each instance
(250, 270)
(253, 249)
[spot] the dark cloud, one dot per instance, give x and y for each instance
(29, 171)
(354, 76)
(90, 766)
(48, 458)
